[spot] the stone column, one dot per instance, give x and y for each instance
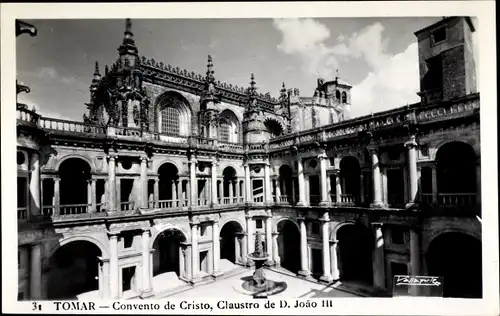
(182, 262)
(277, 190)
(36, 272)
(156, 191)
(213, 174)
(412, 171)
(304, 263)
(329, 187)
(379, 258)
(237, 248)
(221, 191)
(147, 290)
(230, 188)
(434, 184)
(57, 198)
(93, 198)
(415, 257)
(34, 204)
(114, 278)
(174, 192)
(216, 247)
(237, 189)
(361, 188)
(325, 234)
(179, 192)
(300, 174)
(250, 234)
(377, 183)
(192, 180)
(324, 187)
(89, 196)
(112, 184)
(244, 248)
(269, 239)
(144, 182)
(338, 187)
(334, 260)
(276, 255)
(248, 184)
(195, 254)
(267, 184)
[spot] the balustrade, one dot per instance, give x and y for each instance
(127, 206)
(48, 210)
(457, 199)
(128, 131)
(314, 199)
(22, 213)
(74, 209)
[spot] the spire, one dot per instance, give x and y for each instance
(337, 76)
(97, 74)
(128, 45)
(253, 88)
(209, 93)
(210, 70)
(283, 89)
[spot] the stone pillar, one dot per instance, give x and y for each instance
(147, 290)
(267, 184)
(293, 190)
(379, 258)
(114, 278)
(93, 198)
(248, 184)
(415, 258)
(412, 171)
(213, 174)
(277, 190)
(276, 255)
(216, 248)
(303, 249)
(338, 187)
(434, 184)
(89, 196)
(112, 184)
(144, 182)
(300, 174)
(237, 248)
(192, 180)
(182, 262)
(361, 188)
(325, 234)
(195, 254)
(329, 187)
(250, 234)
(269, 239)
(174, 192)
(334, 260)
(230, 188)
(324, 187)
(179, 192)
(57, 198)
(221, 191)
(36, 272)
(156, 191)
(34, 202)
(377, 183)
(237, 190)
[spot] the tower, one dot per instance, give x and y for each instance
(446, 60)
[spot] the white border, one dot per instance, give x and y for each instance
(484, 10)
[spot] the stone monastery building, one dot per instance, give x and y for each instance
(173, 173)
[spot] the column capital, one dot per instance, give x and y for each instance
(144, 158)
(193, 160)
(334, 241)
(111, 156)
(113, 234)
(216, 221)
(301, 218)
(275, 233)
(372, 148)
(322, 155)
(377, 225)
(411, 143)
(146, 230)
(248, 216)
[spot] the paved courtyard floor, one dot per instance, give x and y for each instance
(296, 288)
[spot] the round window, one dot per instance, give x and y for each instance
(201, 167)
(313, 163)
(256, 169)
(126, 164)
(20, 158)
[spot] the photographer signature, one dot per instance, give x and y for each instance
(421, 280)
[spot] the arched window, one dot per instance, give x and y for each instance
(224, 130)
(229, 127)
(173, 114)
(169, 120)
(273, 127)
(344, 97)
(337, 95)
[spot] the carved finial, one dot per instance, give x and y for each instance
(283, 89)
(337, 76)
(253, 87)
(210, 70)
(106, 70)
(96, 69)
(128, 27)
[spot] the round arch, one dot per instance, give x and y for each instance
(229, 127)
(288, 240)
(456, 175)
(469, 142)
(73, 269)
(354, 252)
(173, 114)
(76, 156)
(168, 161)
(457, 257)
(169, 260)
(457, 230)
(288, 218)
(74, 174)
(160, 228)
(231, 241)
(225, 221)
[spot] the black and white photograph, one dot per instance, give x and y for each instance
(299, 163)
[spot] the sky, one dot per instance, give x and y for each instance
(377, 56)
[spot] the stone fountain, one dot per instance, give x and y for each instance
(258, 285)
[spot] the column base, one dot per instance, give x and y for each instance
(411, 205)
(147, 293)
(217, 273)
(326, 279)
(269, 263)
(377, 205)
(305, 273)
(324, 203)
(301, 203)
(195, 279)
